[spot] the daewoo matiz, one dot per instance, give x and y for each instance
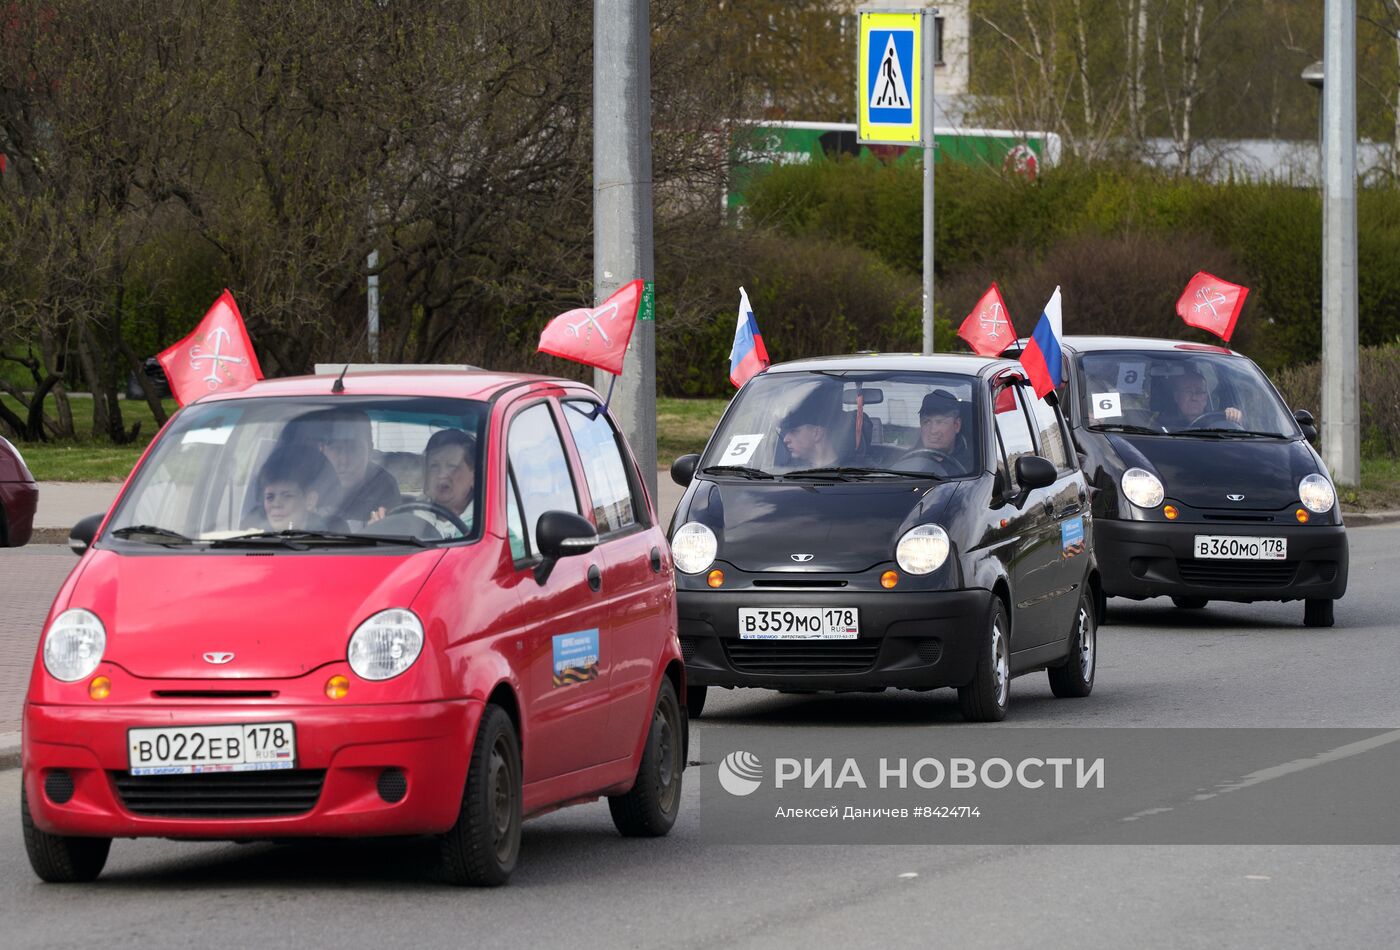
(411, 603)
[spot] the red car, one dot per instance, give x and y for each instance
(404, 603)
(19, 496)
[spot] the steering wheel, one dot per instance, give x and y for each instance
(445, 514)
(1215, 419)
(945, 463)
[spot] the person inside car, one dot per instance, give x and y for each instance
(344, 437)
(806, 432)
(449, 482)
(1191, 401)
(287, 491)
(940, 428)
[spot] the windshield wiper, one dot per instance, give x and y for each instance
(136, 531)
(299, 539)
(744, 470)
(849, 472)
(1126, 427)
(1223, 432)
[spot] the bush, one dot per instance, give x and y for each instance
(1379, 372)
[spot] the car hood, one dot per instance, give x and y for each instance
(845, 527)
(279, 615)
(1202, 472)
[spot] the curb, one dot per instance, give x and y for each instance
(9, 750)
(1366, 519)
(50, 536)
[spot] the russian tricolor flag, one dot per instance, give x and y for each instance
(749, 357)
(1042, 357)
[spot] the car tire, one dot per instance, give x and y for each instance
(650, 808)
(1075, 679)
(59, 859)
(695, 700)
(986, 698)
(482, 847)
(1190, 603)
(1317, 612)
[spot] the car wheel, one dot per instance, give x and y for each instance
(1317, 612)
(985, 699)
(695, 700)
(650, 808)
(1190, 603)
(481, 848)
(1076, 678)
(59, 859)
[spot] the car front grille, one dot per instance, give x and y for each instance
(802, 656)
(1237, 573)
(221, 794)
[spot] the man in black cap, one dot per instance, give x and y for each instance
(940, 425)
(806, 431)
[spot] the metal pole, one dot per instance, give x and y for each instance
(622, 208)
(930, 24)
(373, 303)
(1341, 407)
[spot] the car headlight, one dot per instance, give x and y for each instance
(386, 644)
(74, 645)
(1316, 493)
(1142, 488)
(922, 550)
(693, 548)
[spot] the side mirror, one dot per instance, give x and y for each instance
(683, 469)
(80, 538)
(561, 534)
(1033, 472)
(1306, 423)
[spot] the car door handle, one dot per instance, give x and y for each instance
(1066, 512)
(595, 577)
(656, 560)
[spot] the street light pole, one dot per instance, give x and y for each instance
(1341, 405)
(622, 205)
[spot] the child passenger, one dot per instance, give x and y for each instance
(287, 487)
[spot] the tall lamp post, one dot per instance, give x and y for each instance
(1341, 402)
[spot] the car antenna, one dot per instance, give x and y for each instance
(339, 385)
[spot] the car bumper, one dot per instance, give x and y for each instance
(919, 640)
(19, 501)
(1150, 559)
(342, 755)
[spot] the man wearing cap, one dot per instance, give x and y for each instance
(940, 422)
(806, 432)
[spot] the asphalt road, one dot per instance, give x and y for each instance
(579, 884)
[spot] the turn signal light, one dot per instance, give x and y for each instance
(889, 579)
(715, 578)
(1171, 512)
(337, 687)
(1302, 515)
(100, 687)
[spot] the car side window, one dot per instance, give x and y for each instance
(539, 467)
(614, 508)
(515, 522)
(1012, 427)
(1049, 434)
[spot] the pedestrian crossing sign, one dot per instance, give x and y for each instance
(890, 70)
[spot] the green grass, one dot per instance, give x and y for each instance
(684, 426)
(1380, 487)
(87, 459)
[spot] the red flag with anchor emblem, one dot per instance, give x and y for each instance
(1210, 303)
(596, 336)
(216, 357)
(988, 328)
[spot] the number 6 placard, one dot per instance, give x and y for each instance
(1106, 405)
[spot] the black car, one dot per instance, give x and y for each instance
(1205, 487)
(156, 374)
(864, 522)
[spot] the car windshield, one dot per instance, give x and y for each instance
(800, 425)
(310, 472)
(1180, 392)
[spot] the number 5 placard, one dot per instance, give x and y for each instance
(741, 449)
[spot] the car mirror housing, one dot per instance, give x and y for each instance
(683, 469)
(1033, 472)
(82, 533)
(1306, 423)
(561, 534)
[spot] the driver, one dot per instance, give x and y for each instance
(940, 425)
(449, 482)
(1191, 400)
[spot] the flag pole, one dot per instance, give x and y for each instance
(930, 24)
